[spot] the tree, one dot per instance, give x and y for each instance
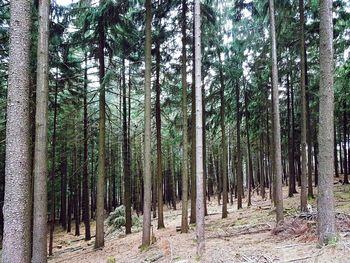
(85, 198)
(146, 234)
(126, 160)
(277, 163)
(100, 186)
(304, 172)
(159, 140)
(17, 204)
(184, 215)
(325, 201)
(199, 132)
(223, 141)
(41, 138)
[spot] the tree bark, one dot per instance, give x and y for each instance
(325, 201)
(239, 155)
(346, 168)
(86, 214)
(199, 133)
(126, 161)
(146, 234)
(276, 120)
(304, 174)
(100, 184)
(184, 195)
(17, 209)
(39, 252)
(223, 140)
(159, 141)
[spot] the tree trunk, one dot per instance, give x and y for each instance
(76, 180)
(146, 234)
(193, 154)
(345, 123)
(100, 184)
(276, 120)
(193, 138)
(250, 164)
(17, 209)
(199, 133)
(63, 216)
(325, 201)
(290, 144)
(39, 250)
(126, 161)
(239, 155)
(336, 167)
(159, 141)
(223, 139)
(184, 195)
(86, 214)
(304, 173)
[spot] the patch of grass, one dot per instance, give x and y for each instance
(111, 259)
(144, 248)
(198, 258)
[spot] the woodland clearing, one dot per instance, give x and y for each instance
(247, 235)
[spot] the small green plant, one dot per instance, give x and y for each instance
(144, 248)
(111, 259)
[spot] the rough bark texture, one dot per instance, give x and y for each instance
(52, 172)
(126, 160)
(239, 155)
(223, 140)
(325, 201)
(184, 195)
(41, 139)
(86, 214)
(17, 209)
(100, 184)
(199, 134)
(304, 174)
(159, 142)
(146, 234)
(277, 164)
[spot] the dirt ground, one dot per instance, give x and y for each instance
(245, 236)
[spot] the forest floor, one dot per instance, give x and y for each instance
(247, 235)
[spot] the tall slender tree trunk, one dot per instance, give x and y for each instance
(336, 167)
(184, 195)
(193, 137)
(276, 120)
(250, 164)
(199, 133)
(193, 154)
(126, 163)
(39, 249)
(223, 140)
(204, 152)
(52, 173)
(239, 154)
(17, 209)
(159, 141)
(304, 173)
(172, 177)
(86, 214)
(146, 235)
(100, 185)
(346, 168)
(75, 179)
(290, 144)
(63, 169)
(308, 130)
(325, 201)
